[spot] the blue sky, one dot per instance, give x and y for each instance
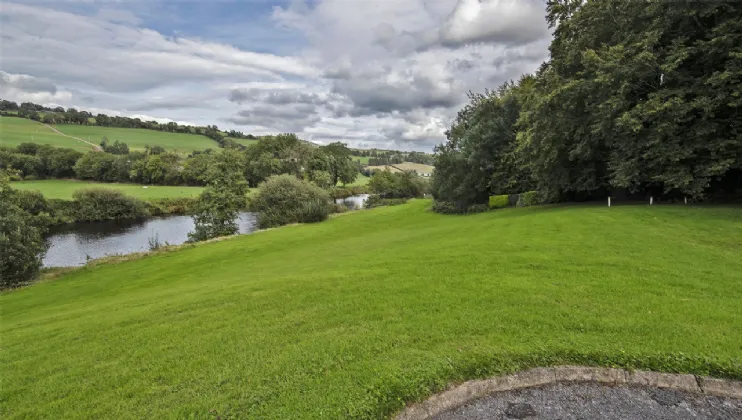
(385, 73)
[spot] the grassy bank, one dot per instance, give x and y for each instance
(63, 189)
(351, 317)
(138, 138)
(14, 131)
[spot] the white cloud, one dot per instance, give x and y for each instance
(374, 74)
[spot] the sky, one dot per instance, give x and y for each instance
(388, 74)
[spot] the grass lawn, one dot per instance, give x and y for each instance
(137, 138)
(63, 188)
(14, 131)
(352, 317)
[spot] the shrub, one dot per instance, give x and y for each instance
(284, 199)
(376, 200)
(347, 191)
(499, 201)
(94, 204)
(398, 184)
(180, 205)
(448, 207)
(530, 198)
(22, 242)
(338, 208)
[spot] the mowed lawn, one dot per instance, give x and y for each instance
(63, 189)
(352, 317)
(14, 131)
(138, 138)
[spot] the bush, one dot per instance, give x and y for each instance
(376, 200)
(94, 204)
(347, 191)
(499, 201)
(338, 208)
(448, 207)
(530, 198)
(181, 205)
(398, 184)
(284, 199)
(22, 242)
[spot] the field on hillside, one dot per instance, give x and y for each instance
(137, 138)
(352, 317)
(14, 131)
(63, 189)
(244, 142)
(362, 159)
(384, 168)
(361, 179)
(417, 167)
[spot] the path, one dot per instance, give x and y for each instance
(95, 146)
(573, 401)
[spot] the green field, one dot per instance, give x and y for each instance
(14, 131)
(361, 179)
(137, 138)
(63, 189)
(362, 159)
(244, 142)
(352, 317)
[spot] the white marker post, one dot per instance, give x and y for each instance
(651, 200)
(609, 201)
(686, 200)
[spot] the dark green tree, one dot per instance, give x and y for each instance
(222, 199)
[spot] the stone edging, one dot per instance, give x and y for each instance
(476, 389)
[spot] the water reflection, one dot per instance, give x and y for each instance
(72, 245)
(354, 202)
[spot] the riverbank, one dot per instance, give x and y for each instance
(63, 189)
(355, 316)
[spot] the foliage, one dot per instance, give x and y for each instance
(499, 201)
(449, 207)
(222, 199)
(375, 200)
(322, 179)
(530, 198)
(336, 160)
(639, 97)
(284, 199)
(397, 184)
(347, 191)
(96, 204)
(22, 243)
(274, 155)
(117, 148)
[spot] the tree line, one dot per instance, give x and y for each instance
(273, 155)
(58, 115)
(637, 99)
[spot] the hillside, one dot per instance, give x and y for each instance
(14, 131)
(352, 317)
(138, 138)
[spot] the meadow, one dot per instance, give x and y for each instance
(138, 138)
(354, 317)
(14, 131)
(64, 188)
(244, 142)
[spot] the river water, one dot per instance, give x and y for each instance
(74, 244)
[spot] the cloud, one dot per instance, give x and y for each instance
(387, 74)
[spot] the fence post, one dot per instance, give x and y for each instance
(609, 201)
(686, 200)
(651, 200)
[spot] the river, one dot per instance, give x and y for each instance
(74, 244)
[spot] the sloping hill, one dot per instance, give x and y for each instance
(138, 138)
(14, 131)
(352, 317)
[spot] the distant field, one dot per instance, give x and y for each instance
(407, 166)
(417, 167)
(384, 168)
(138, 138)
(63, 189)
(360, 180)
(362, 159)
(244, 142)
(14, 131)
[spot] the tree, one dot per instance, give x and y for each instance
(22, 243)
(340, 163)
(222, 199)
